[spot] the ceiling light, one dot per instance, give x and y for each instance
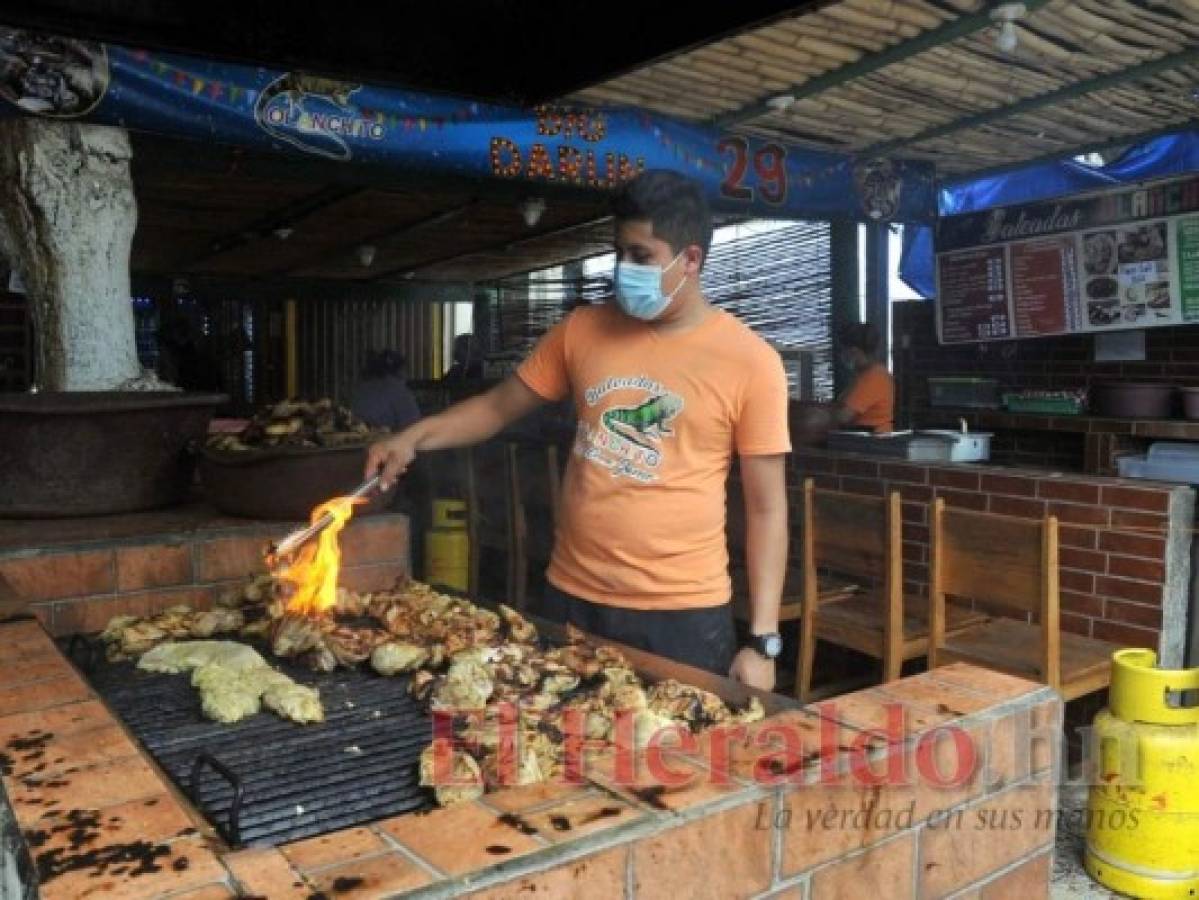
(531, 210)
(283, 232)
(1007, 14)
(366, 255)
(781, 103)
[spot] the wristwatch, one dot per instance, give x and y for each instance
(767, 645)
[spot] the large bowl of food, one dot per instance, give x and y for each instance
(289, 459)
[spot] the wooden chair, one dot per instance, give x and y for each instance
(861, 537)
(1009, 564)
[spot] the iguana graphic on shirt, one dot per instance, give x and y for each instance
(648, 422)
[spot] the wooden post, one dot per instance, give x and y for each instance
(291, 348)
(893, 640)
(811, 598)
(846, 295)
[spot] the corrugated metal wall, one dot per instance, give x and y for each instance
(335, 337)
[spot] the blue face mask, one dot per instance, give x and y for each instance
(639, 289)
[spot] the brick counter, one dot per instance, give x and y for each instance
(848, 835)
(79, 573)
(1125, 545)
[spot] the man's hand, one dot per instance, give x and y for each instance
(753, 670)
(391, 457)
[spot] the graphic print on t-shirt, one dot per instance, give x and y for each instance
(627, 438)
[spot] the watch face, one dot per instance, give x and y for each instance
(772, 644)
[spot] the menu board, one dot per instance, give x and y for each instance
(1125, 258)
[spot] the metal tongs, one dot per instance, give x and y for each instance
(298, 539)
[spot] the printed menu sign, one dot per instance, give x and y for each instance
(1044, 293)
(1127, 258)
(975, 283)
(1187, 241)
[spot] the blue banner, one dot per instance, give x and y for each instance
(345, 122)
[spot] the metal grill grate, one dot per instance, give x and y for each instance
(297, 781)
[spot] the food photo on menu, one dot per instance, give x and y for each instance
(1142, 243)
(1126, 276)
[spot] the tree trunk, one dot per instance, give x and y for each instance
(67, 217)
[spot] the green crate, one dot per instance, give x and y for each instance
(1051, 406)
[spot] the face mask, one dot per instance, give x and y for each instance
(639, 289)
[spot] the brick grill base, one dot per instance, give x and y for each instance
(79, 573)
(990, 835)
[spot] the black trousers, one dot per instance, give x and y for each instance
(704, 638)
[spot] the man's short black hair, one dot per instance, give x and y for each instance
(672, 203)
(860, 335)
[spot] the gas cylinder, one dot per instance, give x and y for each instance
(447, 546)
(1143, 808)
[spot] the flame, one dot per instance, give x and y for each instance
(314, 570)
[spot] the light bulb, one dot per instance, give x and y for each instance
(1007, 39)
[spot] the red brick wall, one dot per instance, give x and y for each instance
(1054, 363)
(1114, 534)
(79, 588)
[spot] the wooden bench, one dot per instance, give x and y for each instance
(1012, 565)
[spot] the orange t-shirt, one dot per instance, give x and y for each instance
(872, 399)
(642, 521)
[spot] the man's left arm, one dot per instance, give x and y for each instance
(764, 484)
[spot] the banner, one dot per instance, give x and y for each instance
(347, 122)
(1122, 258)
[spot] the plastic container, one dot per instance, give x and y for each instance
(1133, 400)
(964, 446)
(970, 393)
(1166, 461)
(1046, 406)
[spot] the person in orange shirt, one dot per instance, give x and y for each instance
(666, 390)
(870, 400)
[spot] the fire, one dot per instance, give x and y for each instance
(313, 572)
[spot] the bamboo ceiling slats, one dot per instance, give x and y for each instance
(920, 99)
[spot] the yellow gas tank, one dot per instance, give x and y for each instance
(1143, 811)
(447, 546)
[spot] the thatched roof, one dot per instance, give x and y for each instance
(926, 79)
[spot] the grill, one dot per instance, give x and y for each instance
(264, 780)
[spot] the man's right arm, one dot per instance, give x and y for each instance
(462, 425)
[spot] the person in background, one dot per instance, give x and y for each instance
(467, 363)
(869, 403)
(382, 399)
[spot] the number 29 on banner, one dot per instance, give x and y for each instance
(769, 164)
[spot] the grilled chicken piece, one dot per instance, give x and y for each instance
(467, 685)
(394, 657)
(351, 645)
(520, 629)
(217, 621)
(460, 777)
(296, 635)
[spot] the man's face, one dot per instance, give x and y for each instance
(635, 243)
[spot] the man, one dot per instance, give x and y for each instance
(666, 389)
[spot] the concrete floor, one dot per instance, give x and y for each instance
(1070, 881)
